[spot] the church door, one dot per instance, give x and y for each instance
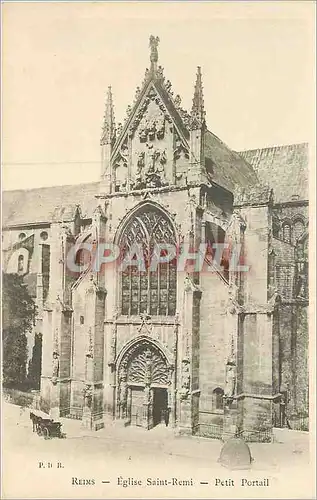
(160, 409)
(136, 409)
(142, 382)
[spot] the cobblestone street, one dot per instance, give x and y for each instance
(114, 454)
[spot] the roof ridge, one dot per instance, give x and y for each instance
(275, 148)
(54, 186)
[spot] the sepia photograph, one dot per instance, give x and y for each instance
(158, 280)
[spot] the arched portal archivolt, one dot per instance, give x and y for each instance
(144, 384)
(144, 364)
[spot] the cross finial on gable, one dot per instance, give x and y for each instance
(154, 41)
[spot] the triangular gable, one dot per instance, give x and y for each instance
(27, 242)
(152, 151)
(152, 86)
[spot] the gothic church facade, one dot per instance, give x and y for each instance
(213, 352)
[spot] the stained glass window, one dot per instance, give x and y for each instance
(145, 290)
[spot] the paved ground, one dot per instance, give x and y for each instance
(144, 456)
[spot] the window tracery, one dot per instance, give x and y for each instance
(147, 291)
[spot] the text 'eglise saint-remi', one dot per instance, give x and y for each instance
(157, 481)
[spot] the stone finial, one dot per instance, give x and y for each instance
(154, 41)
(108, 128)
(198, 111)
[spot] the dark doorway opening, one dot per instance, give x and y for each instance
(160, 409)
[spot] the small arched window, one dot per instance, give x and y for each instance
(217, 397)
(298, 230)
(20, 263)
(287, 233)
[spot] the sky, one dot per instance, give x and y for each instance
(59, 58)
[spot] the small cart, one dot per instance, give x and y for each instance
(45, 426)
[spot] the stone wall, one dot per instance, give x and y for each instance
(213, 348)
(294, 347)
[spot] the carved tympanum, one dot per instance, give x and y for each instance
(148, 367)
(144, 364)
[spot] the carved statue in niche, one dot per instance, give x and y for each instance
(236, 225)
(113, 345)
(138, 181)
(55, 367)
(88, 393)
(140, 163)
(155, 175)
(230, 379)
(161, 165)
(119, 129)
(120, 169)
(160, 127)
(151, 129)
(143, 129)
(123, 393)
(184, 392)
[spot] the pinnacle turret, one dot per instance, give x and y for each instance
(198, 111)
(108, 128)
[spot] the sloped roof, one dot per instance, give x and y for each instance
(226, 167)
(284, 168)
(45, 204)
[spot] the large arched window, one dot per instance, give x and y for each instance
(147, 291)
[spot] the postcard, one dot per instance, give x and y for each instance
(158, 282)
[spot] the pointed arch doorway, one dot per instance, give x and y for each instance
(143, 386)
